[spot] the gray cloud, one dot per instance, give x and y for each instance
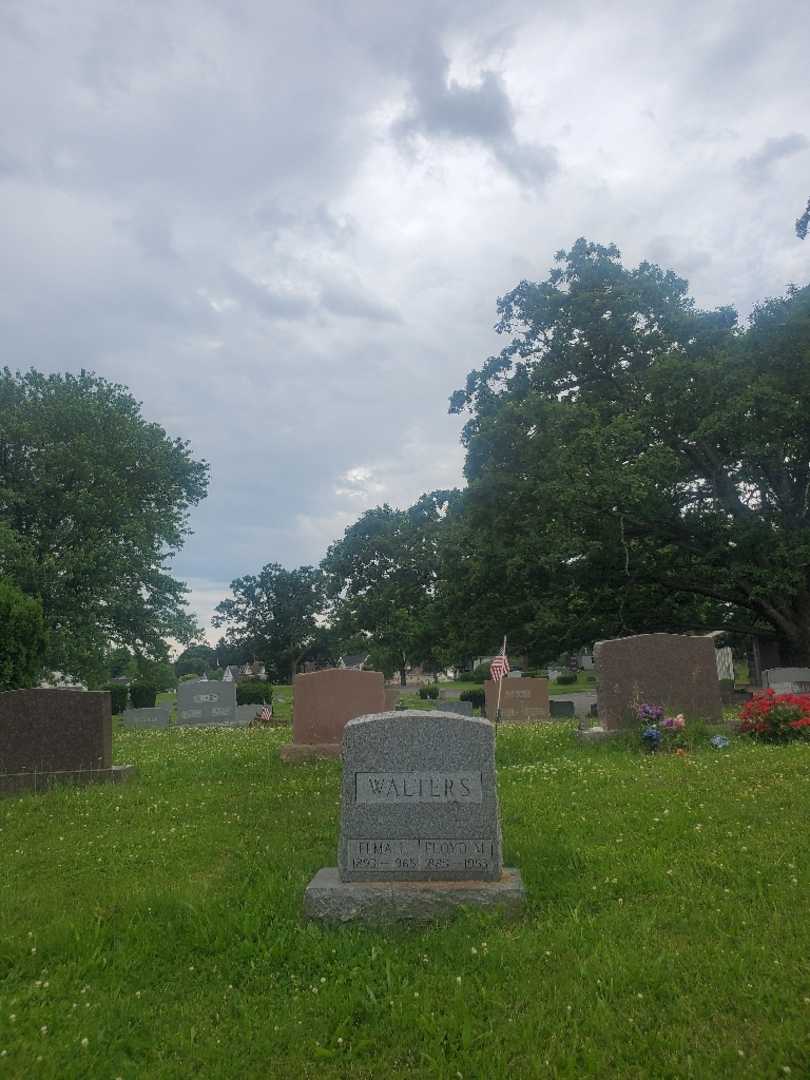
(483, 113)
(285, 226)
(758, 166)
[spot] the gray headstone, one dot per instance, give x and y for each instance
(460, 708)
(419, 799)
(562, 708)
(147, 718)
(788, 680)
(203, 701)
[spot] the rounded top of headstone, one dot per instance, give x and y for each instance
(433, 715)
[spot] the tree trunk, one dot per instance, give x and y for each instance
(293, 667)
(402, 680)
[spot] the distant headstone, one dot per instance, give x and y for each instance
(323, 703)
(204, 701)
(561, 709)
(54, 736)
(460, 708)
(672, 670)
(392, 695)
(724, 659)
(524, 701)
(515, 674)
(420, 832)
(147, 718)
(787, 680)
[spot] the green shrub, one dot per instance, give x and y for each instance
(566, 678)
(119, 694)
(143, 695)
(428, 693)
(477, 697)
(481, 674)
(254, 693)
(23, 638)
(464, 676)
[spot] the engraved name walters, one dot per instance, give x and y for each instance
(438, 787)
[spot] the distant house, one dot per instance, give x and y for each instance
(353, 662)
(245, 672)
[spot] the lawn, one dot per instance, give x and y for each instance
(154, 930)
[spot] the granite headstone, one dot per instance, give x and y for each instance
(787, 680)
(420, 829)
(674, 671)
(523, 701)
(47, 736)
(206, 701)
(147, 718)
(460, 708)
(323, 703)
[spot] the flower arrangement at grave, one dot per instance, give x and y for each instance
(778, 718)
(661, 732)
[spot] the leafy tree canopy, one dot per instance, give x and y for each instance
(381, 578)
(636, 463)
(273, 615)
(94, 502)
(23, 638)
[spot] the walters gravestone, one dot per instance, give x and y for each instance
(203, 701)
(523, 701)
(420, 831)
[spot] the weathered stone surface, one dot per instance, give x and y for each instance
(460, 708)
(671, 670)
(787, 680)
(523, 701)
(147, 718)
(323, 703)
(329, 899)
(55, 731)
(419, 799)
(203, 701)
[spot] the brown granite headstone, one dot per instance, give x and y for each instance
(49, 735)
(523, 701)
(323, 703)
(674, 671)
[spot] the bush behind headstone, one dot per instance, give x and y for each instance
(23, 639)
(254, 693)
(476, 697)
(119, 693)
(143, 696)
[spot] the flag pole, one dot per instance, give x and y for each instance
(500, 685)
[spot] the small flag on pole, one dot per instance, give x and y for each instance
(497, 669)
(266, 714)
(499, 666)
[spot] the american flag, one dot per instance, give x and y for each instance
(499, 666)
(266, 713)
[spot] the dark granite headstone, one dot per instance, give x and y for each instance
(50, 735)
(562, 708)
(674, 671)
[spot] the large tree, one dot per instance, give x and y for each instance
(382, 579)
(273, 615)
(94, 502)
(647, 462)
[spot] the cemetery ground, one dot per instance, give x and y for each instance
(154, 929)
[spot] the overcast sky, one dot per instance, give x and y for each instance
(285, 226)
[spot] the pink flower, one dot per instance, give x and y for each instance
(679, 722)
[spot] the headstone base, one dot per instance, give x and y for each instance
(295, 752)
(39, 782)
(329, 899)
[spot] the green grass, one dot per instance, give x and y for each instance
(667, 932)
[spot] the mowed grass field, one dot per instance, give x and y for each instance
(154, 929)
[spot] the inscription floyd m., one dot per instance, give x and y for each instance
(421, 787)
